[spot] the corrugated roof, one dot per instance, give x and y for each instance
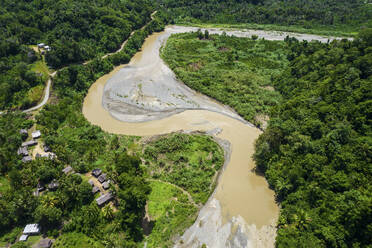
(31, 229)
(106, 184)
(67, 169)
(102, 178)
(26, 159)
(45, 243)
(29, 143)
(23, 237)
(36, 134)
(103, 199)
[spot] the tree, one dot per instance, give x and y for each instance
(48, 217)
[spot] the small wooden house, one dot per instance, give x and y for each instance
(102, 178)
(103, 199)
(96, 172)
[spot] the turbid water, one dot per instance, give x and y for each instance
(144, 98)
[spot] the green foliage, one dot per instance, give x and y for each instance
(76, 240)
(188, 161)
(316, 150)
(83, 146)
(231, 70)
(75, 30)
(171, 213)
(317, 14)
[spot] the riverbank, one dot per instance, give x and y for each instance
(323, 31)
(146, 85)
(239, 186)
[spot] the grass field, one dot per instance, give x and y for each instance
(41, 67)
(182, 170)
(189, 161)
(76, 240)
(4, 184)
(171, 212)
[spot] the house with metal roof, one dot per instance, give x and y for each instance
(22, 151)
(102, 178)
(36, 134)
(26, 159)
(95, 189)
(23, 132)
(103, 199)
(67, 170)
(23, 237)
(45, 243)
(96, 172)
(106, 185)
(46, 148)
(91, 182)
(53, 185)
(29, 143)
(31, 229)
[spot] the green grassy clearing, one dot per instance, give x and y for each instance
(76, 240)
(234, 71)
(9, 236)
(35, 94)
(41, 67)
(32, 240)
(171, 212)
(188, 161)
(4, 184)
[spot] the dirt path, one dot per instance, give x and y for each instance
(178, 187)
(52, 75)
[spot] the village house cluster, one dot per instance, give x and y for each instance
(105, 184)
(23, 150)
(44, 48)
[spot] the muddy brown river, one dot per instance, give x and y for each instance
(240, 192)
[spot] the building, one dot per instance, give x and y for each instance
(23, 237)
(36, 134)
(96, 172)
(22, 151)
(29, 143)
(26, 159)
(67, 170)
(31, 229)
(40, 45)
(103, 199)
(102, 178)
(46, 148)
(40, 187)
(53, 185)
(49, 155)
(95, 189)
(45, 243)
(91, 182)
(106, 185)
(23, 132)
(47, 48)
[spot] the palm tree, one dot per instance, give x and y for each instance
(301, 219)
(107, 213)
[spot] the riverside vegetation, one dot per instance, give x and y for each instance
(316, 150)
(234, 71)
(75, 30)
(315, 153)
(336, 17)
(70, 213)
